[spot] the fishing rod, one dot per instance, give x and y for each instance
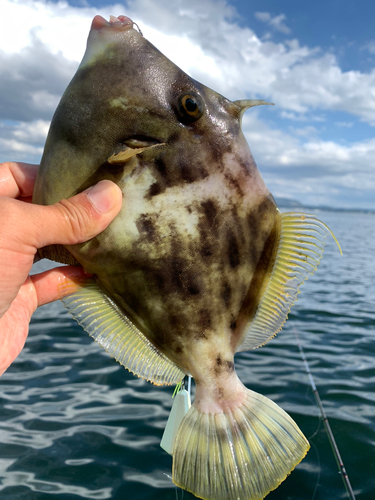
(339, 461)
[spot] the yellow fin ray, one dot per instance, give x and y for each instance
(301, 244)
(239, 455)
(108, 325)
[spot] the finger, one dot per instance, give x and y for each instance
(46, 284)
(71, 221)
(17, 179)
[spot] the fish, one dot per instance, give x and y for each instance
(199, 264)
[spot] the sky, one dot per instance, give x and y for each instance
(314, 60)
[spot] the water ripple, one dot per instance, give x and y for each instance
(74, 423)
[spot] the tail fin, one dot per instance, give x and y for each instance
(240, 455)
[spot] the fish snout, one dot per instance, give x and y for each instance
(119, 22)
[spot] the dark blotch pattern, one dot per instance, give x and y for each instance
(222, 365)
(210, 211)
(155, 189)
(146, 227)
(233, 250)
(234, 184)
(226, 293)
(161, 167)
(205, 319)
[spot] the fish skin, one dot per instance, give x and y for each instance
(187, 255)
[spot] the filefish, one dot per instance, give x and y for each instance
(198, 265)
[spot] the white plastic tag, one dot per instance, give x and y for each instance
(180, 407)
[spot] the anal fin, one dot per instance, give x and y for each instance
(91, 307)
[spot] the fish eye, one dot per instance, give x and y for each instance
(189, 107)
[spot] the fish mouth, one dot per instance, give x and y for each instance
(133, 146)
(140, 141)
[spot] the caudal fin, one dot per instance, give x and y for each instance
(240, 455)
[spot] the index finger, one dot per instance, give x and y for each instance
(17, 179)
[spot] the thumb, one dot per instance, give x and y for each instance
(76, 219)
(83, 216)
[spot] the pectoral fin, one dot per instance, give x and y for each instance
(108, 325)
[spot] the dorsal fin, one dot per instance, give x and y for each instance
(300, 248)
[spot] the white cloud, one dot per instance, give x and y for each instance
(302, 117)
(277, 22)
(293, 165)
(344, 124)
(33, 132)
(23, 141)
(47, 21)
(370, 47)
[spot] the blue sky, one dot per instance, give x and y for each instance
(314, 60)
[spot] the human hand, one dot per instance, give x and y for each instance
(25, 227)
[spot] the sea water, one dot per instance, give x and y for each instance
(74, 424)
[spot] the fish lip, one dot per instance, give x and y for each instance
(133, 146)
(122, 23)
(140, 141)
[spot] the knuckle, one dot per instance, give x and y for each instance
(77, 218)
(14, 226)
(9, 214)
(6, 217)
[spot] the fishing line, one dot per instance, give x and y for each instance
(316, 449)
(339, 461)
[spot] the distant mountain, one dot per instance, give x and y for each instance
(297, 205)
(288, 203)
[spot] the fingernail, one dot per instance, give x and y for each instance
(102, 196)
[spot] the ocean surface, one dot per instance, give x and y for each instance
(74, 424)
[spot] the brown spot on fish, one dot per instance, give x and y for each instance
(210, 211)
(193, 288)
(155, 189)
(233, 250)
(161, 167)
(146, 227)
(186, 171)
(226, 293)
(253, 223)
(191, 172)
(222, 365)
(234, 184)
(247, 165)
(229, 366)
(264, 207)
(204, 319)
(206, 248)
(218, 365)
